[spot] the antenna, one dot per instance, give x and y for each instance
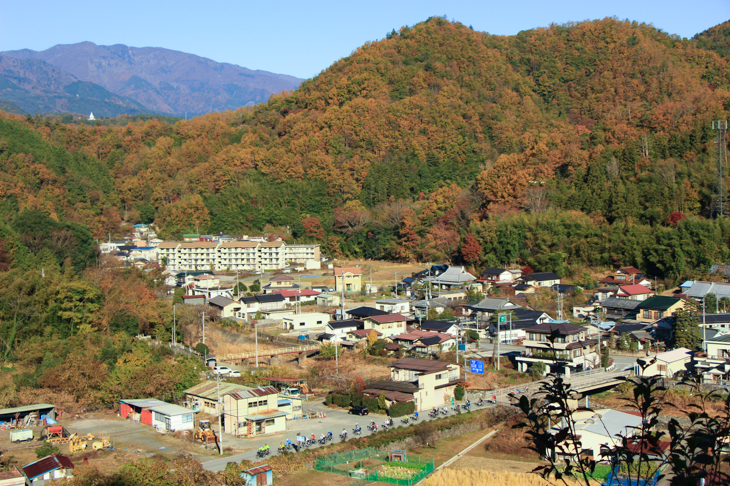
(721, 162)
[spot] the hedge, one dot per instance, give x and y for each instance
(341, 400)
(401, 409)
(371, 403)
(459, 392)
(356, 400)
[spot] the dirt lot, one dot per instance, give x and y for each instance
(382, 272)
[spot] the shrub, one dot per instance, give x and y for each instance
(371, 403)
(459, 392)
(341, 400)
(46, 449)
(356, 399)
(538, 370)
(202, 349)
(382, 404)
(401, 409)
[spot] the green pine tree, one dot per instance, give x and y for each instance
(686, 330)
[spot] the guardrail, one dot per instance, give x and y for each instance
(249, 355)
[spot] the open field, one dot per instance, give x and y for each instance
(481, 477)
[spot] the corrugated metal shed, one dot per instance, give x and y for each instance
(209, 389)
(170, 410)
(144, 402)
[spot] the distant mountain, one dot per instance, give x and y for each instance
(163, 80)
(34, 86)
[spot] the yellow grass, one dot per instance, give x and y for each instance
(476, 477)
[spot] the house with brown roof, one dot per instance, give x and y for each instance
(280, 282)
(49, 468)
(425, 342)
(387, 325)
(425, 382)
(571, 349)
(627, 275)
(348, 279)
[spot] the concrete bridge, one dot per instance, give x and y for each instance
(269, 355)
(583, 382)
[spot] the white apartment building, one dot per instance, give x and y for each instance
(306, 255)
(235, 255)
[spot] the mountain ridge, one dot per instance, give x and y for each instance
(163, 80)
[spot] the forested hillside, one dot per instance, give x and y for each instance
(573, 145)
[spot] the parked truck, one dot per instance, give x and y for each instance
(21, 435)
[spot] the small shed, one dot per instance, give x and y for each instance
(26, 414)
(139, 409)
(12, 477)
(258, 476)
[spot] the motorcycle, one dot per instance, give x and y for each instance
(328, 436)
(310, 442)
(323, 440)
(262, 453)
(357, 431)
(385, 426)
(282, 450)
(433, 414)
(343, 436)
(444, 412)
(414, 417)
(404, 420)
(373, 428)
(480, 403)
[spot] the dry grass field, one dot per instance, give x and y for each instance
(479, 477)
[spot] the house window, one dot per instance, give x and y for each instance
(269, 422)
(187, 418)
(662, 368)
(439, 376)
(647, 314)
(158, 417)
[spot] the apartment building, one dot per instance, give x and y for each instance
(248, 256)
(303, 255)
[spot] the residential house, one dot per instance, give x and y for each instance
(626, 275)
(363, 312)
(514, 329)
(49, 468)
(393, 306)
(454, 276)
(258, 476)
(387, 325)
(338, 330)
(421, 307)
(426, 342)
(348, 279)
(280, 282)
(718, 346)
(204, 396)
(362, 334)
(308, 320)
(425, 382)
(714, 321)
(572, 348)
(541, 279)
(299, 295)
(599, 431)
(497, 275)
(634, 292)
(700, 289)
(432, 271)
(228, 308)
(172, 418)
(665, 364)
(616, 308)
(489, 306)
(523, 288)
(210, 286)
(658, 307)
(328, 300)
(250, 412)
(451, 296)
(446, 327)
(640, 333)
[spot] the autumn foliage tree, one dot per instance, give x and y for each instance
(470, 249)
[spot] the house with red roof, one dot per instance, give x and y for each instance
(299, 295)
(425, 341)
(626, 276)
(634, 292)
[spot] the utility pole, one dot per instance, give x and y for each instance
(342, 297)
(721, 127)
(256, 338)
(395, 284)
(220, 412)
(500, 320)
(704, 327)
(203, 319)
(174, 341)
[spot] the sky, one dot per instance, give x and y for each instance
(304, 37)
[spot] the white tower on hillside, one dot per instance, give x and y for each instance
(91, 116)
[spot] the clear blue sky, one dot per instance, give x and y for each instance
(303, 37)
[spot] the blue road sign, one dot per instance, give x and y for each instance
(477, 366)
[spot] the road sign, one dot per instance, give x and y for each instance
(452, 401)
(502, 319)
(477, 366)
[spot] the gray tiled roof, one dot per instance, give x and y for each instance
(700, 289)
(616, 303)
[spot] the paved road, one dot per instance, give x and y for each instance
(336, 420)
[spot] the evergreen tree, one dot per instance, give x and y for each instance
(686, 330)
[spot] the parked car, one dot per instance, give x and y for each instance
(226, 371)
(359, 410)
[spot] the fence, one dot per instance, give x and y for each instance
(369, 464)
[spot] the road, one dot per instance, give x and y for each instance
(336, 420)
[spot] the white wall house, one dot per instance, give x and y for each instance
(305, 321)
(393, 306)
(172, 417)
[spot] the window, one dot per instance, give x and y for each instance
(158, 417)
(647, 314)
(662, 368)
(439, 376)
(269, 422)
(187, 418)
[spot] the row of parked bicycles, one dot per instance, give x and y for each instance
(301, 442)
